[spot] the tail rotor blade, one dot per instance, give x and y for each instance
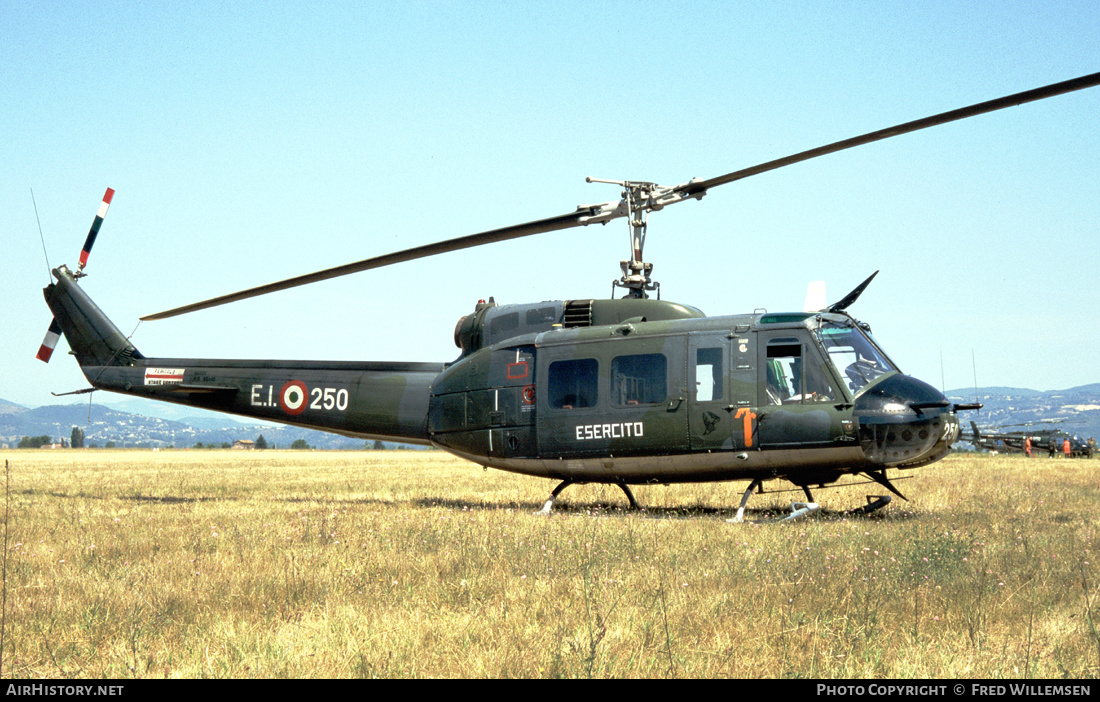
(50, 342)
(96, 224)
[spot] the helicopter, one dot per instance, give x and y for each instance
(625, 391)
(1016, 441)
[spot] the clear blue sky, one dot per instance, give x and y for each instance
(250, 142)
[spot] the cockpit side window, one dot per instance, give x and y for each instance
(791, 378)
(853, 354)
(783, 371)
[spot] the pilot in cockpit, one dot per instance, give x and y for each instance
(863, 371)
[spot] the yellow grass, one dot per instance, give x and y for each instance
(416, 564)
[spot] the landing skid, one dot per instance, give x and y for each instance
(874, 502)
(801, 509)
(798, 509)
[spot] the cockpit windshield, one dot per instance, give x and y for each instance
(853, 354)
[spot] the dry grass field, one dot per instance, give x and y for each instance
(193, 563)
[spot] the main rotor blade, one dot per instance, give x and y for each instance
(566, 221)
(602, 213)
(1068, 86)
(850, 299)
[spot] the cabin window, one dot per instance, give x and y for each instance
(573, 384)
(541, 316)
(708, 375)
(501, 326)
(639, 379)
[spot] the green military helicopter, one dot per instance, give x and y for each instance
(628, 391)
(989, 439)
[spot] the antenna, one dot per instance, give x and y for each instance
(42, 237)
(943, 381)
(974, 363)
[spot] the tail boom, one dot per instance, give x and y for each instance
(386, 401)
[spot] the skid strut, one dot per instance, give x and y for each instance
(553, 496)
(740, 517)
(566, 483)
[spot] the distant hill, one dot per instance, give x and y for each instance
(102, 424)
(1015, 392)
(1078, 408)
(11, 408)
(178, 413)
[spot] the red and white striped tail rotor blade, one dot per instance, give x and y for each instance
(96, 224)
(48, 344)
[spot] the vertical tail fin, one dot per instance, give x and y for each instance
(94, 339)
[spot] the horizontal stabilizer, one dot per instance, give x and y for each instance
(191, 389)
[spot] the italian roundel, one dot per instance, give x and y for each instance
(292, 398)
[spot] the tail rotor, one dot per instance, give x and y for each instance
(53, 334)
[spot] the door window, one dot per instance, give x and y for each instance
(573, 383)
(708, 374)
(639, 379)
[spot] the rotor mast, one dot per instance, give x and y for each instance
(639, 199)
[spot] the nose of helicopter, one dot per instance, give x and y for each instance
(904, 422)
